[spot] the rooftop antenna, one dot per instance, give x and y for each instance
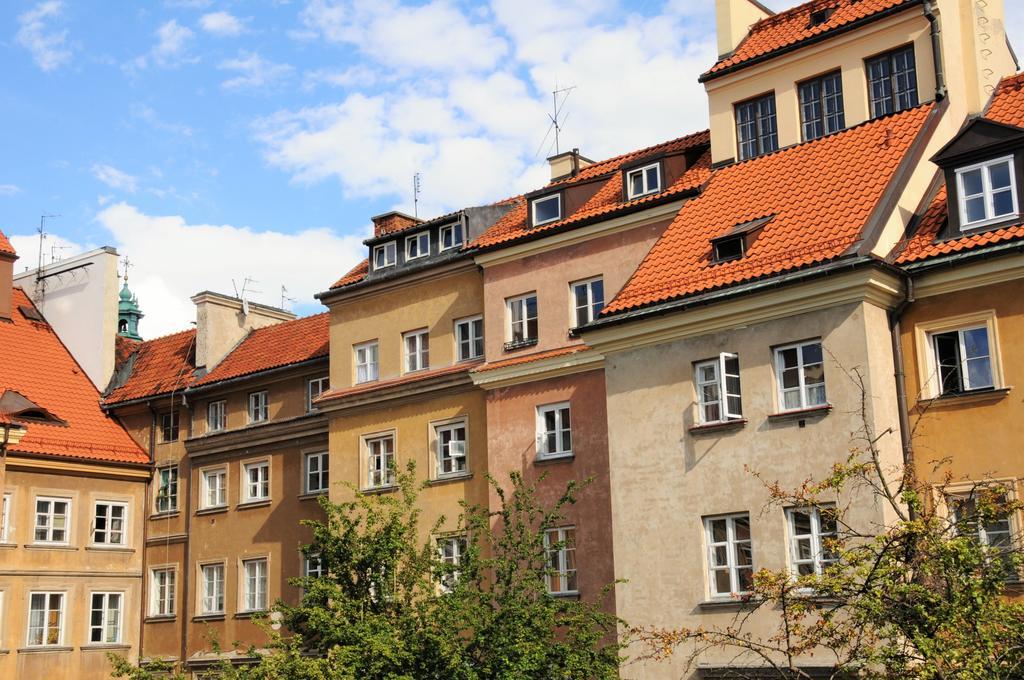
(40, 279)
(416, 194)
(246, 290)
(556, 121)
(54, 254)
(285, 297)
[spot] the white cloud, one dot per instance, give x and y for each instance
(148, 115)
(114, 178)
(175, 259)
(253, 71)
(48, 47)
(54, 247)
(172, 41)
(9, 189)
(357, 76)
(223, 24)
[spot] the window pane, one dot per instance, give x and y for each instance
(947, 354)
(1002, 203)
(545, 210)
(718, 531)
(976, 343)
(652, 179)
(975, 209)
(722, 584)
(979, 373)
(999, 175)
(636, 186)
(742, 528)
(972, 182)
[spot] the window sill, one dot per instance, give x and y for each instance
(574, 595)
(249, 615)
(165, 515)
(560, 458)
(5, 544)
(970, 397)
(312, 495)
(519, 344)
(208, 617)
(446, 479)
(379, 489)
(166, 618)
(110, 549)
(729, 602)
(212, 511)
(800, 414)
(721, 426)
(261, 503)
(44, 649)
(43, 546)
(104, 647)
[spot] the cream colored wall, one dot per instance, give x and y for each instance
(221, 324)
(286, 397)
(664, 479)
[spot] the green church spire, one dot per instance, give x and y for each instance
(128, 311)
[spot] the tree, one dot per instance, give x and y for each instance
(386, 605)
(918, 596)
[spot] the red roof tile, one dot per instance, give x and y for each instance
(5, 246)
(160, 366)
(821, 194)
(792, 27)
(283, 344)
(356, 274)
(124, 348)
(36, 364)
(406, 379)
(530, 358)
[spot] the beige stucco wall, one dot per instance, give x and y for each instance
(664, 479)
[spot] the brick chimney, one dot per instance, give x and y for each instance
(222, 321)
(733, 19)
(391, 222)
(7, 258)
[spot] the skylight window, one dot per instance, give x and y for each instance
(818, 17)
(547, 209)
(730, 248)
(643, 181)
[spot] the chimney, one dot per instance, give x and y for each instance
(567, 164)
(7, 258)
(222, 321)
(392, 221)
(733, 19)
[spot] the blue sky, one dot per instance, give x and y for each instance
(210, 140)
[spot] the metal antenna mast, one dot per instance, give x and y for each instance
(285, 297)
(556, 108)
(416, 194)
(40, 279)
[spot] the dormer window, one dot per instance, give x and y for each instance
(643, 181)
(451, 236)
(417, 245)
(384, 255)
(756, 128)
(987, 191)
(818, 17)
(547, 209)
(730, 248)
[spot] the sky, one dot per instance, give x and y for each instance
(211, 141)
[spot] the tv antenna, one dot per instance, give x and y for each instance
(285, 297)
(42, 237)
(556, 117)
(246, 290)
(416, 194)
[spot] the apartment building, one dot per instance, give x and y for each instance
(736, 341)
(73, 484)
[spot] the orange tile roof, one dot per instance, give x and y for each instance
(408, 378)
(282, 344)
(793, 27)
(161, 365)
(821, 194)
(5, 246)
(1007, 106)
(356, 274)
(530, 358)
(36, 364)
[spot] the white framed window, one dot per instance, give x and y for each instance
(254, 585)
(257, 481)
(963, 359)
(53, 520)
(451, 550)
(730, 555)
(258, 407)
(522, 319)
(45, 619)
(547, 209)
(587, 300)
(314, 388)
(366, 361)
(216, 416)
(643, 181)
(380, 452)
(469, 338)
(560, 546)
(108, 524)
(317, 467)
(215, 488)
(417, 350)
(554, 431)
(212, 595)
(384, 255)
(988, 192)
(451, 236)
(718, 389)
(800, 372)
(166, 489)
(312, 567)
(810, 531)
(451, 449)
(995, 533)
(169, 427)
(417, 245)
(105, 614)
(162, 591)
(5, 519)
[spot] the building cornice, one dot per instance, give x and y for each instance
(50, 465)
(541, 369)
(957, 276)
(392, 395)
(372, 287)
(271, 435)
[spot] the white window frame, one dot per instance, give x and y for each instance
(109, 519)
(542, 451)
(322, 472)
(172, 506)
(544, 199)
(208, 595)
(802, 385)
(965, 377)
(389, 248)
(460, 453)
(163, 596)
(575, 309)
(262, 484)
(307, 566)
(510, 303)
(451, 551)
(216, 416)
(259, 407)
(222, 488)
(104, 614)
(986, 192)
(562, 554)
(449, 228)
(721, 382)
(817, 539)
(6, 503)
(469, 322)
(421, 353)
(643, 173)
(387, 478)
(417, 239)
(323, 382)
(46, 611)
(732, 562)
(256, 586)
(50, 514)
(370, 368)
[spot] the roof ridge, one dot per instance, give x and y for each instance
(787, 14)
(168, 335)
(641, 150)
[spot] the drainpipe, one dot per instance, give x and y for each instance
(900, 374)
(145, 534)
(940, 78)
